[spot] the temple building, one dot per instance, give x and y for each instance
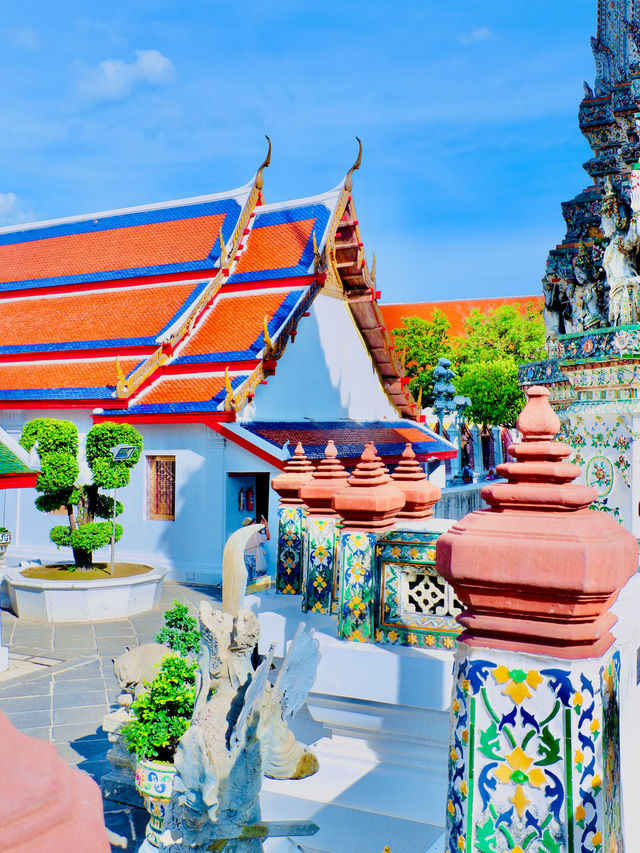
(226, 330)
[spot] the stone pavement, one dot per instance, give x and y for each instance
(60, 684)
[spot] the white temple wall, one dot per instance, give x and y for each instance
(191, 546)
(325, 374)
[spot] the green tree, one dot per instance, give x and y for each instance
(422, 342)
(487, 356)
(57, 445)
(505, 332)
(180, 631)
(492, 387)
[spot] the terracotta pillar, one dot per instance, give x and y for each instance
(534, 751)
(319, 587)
(45, 805)
(291, 512)
(420, 495)
(368, 505)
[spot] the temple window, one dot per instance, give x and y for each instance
(161, 488)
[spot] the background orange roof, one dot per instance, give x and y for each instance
(456, 311)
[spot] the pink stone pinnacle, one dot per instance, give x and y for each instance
(45, 805)
(297, 471)
(420, 495)
(538, 571)
(369, 499)
(327, 479)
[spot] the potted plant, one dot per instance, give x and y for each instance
(161, 716)
(180, 631)
(5, 541)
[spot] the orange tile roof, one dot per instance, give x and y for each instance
(456, 311)
(233, 325)
(181, 389)
(116, 314)
(148, 245)
(85, 373)
(273, 247)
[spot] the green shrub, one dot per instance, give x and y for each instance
(180, 632)
(163, 713)
(57, 446)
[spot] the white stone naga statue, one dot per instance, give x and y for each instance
(239, 731)
(620, 261)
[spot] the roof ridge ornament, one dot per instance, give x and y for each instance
(348, 181)
(259, 181)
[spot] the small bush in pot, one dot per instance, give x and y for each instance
(162, 714)
(180, 631)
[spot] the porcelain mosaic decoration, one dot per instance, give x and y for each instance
(154, 780)
(355, 617)
(415, 606)
(319, 560)
(289, 559)
(534, 755)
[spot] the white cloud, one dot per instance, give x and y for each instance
(25, 38)
(115, 78)
(476, 34)
(13, 211)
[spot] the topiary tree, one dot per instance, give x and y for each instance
(56, 442)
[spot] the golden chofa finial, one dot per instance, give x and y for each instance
(373, 267)
(316, 252)
(227, 382)
(120, 371)
(348, 181)
(259, 182)
(267, 338)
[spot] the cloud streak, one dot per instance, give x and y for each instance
(114, 79)
(475, 35)
(13, 211)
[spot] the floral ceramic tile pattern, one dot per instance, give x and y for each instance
(289, 559)
(319, 564)
(526, 756)
(355, 616)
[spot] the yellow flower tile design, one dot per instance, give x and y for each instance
(517, 682)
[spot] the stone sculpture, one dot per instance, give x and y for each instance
(590, 290)
(239, 733)
(620, 261)
(138, 666)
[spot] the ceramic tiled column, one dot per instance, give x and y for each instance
(368, 505)
(534, 752)
(319, 552)
(291, 513)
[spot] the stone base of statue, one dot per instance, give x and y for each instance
(594, 384)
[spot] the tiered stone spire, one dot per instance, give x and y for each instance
(297, 471)
(369, 500)
(539, 571)
(420, 495)
(327, 479)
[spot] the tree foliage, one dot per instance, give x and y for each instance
(180, 631)
(422, 342)
(162, 714)
(57, 444)
(485, 358)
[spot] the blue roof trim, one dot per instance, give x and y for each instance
(281, 315)
(279, 217)
(111, 222)
(229, 207)
(112, 275)
(109, 342)
(199, 406)
(99, 392)
(433, 443)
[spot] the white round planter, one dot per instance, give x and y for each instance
(76, 600)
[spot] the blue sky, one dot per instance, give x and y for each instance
(467, 111)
